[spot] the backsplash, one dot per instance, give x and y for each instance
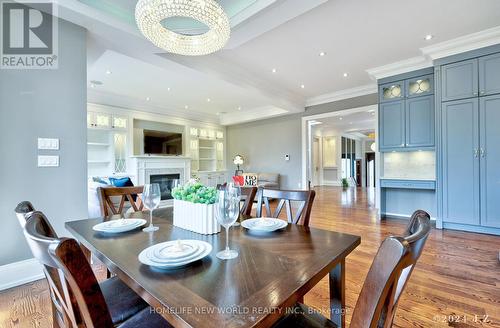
(409, 165)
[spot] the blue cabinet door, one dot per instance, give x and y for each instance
(459, 80)
(489, 75)
(489, 115)
(392, 125)
(420, 121)
(461, 161)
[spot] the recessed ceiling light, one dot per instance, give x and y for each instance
(239, 107)
(340, 118)
(108, 72)
(186, 107)
(302, 86)
(274, 70)
(168, 89)
(345, 74)
(321, 54)
(429, 37)
(208, 100)
(148, 99)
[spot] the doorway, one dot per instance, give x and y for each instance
(316, 162)
(370, 170)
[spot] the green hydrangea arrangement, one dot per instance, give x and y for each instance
(195, 192)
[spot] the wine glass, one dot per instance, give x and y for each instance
(151, 197)
(237, 190)
(227, 211)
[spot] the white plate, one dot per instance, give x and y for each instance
(147, 257)
(264, 224)
(117, 226)
(175, 250)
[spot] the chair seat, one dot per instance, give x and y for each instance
(146, 319)
(302, 316)
(122, 301)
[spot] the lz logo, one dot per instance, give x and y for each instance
(27, 31)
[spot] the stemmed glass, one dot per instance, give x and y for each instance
(227, 211)
(151, 197)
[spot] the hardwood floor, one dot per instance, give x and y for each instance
(456, 282)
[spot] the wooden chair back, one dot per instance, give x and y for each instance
(304, 197)
(129, 194)
(76, 290)
(388, 275)
(22, 210)
(248, 195)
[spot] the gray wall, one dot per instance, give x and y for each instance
(44, 103)
(264, 143)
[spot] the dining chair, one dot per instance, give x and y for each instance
(108, 197)
(248, 197)
(387, 277)
(22, 209)
(122, 302)
(304, 197)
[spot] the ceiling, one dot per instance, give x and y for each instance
(285, 35)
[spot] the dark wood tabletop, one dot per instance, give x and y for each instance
(272, 272)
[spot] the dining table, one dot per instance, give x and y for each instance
(273, 271)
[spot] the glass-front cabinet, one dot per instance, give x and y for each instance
(406, 113)
(391, 91)
(420, 86)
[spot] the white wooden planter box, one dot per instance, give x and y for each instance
(199, 218)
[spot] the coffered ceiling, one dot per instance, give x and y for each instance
(282, 55)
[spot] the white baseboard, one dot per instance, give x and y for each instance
(19, 273)
(331, 183)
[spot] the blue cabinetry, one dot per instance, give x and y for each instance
(489, 153)
(406, 114)
(470, 137)
(459, 80)
(419, 114)
(461, 161)
(489, 77)
(392, 125)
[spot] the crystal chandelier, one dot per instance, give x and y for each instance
(149, 15)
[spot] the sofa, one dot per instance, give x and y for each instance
(266, 180)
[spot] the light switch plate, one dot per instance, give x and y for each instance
(48, 144)
(48, 161)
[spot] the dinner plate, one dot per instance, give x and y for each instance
(148, 257)
(175, 250)
(120, 225)
(264, 224)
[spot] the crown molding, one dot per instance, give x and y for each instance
(400, 67)
(255, 114)
(464, 43)
(342, 94)
(130, 103)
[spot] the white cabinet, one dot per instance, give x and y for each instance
(96, 120)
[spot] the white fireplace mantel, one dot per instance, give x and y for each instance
(145, 166)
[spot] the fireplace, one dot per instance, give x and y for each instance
(167, 182)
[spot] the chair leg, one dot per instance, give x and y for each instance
(55, 316)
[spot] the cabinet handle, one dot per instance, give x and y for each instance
(476, 152)
(483, 153)
(474, 93)
(482, 93)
